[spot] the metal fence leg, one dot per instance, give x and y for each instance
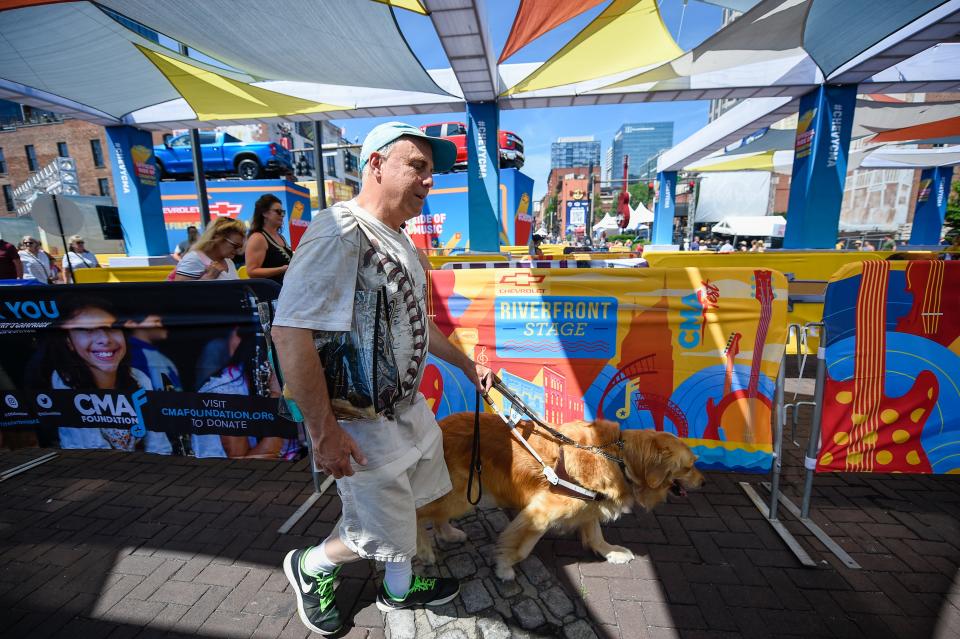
(813, 444)
(770, 512)
(778, 420)
(319, 487)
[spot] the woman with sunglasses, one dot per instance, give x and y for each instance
(36, 262)
(77, 257)
(211, 257)
(267, 253)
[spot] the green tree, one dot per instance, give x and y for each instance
(638, 193)
(952, 218)
(550, 214)
(598, 211)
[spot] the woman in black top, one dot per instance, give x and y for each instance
(267, 254)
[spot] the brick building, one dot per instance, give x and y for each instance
(560, 184)
(28, 146)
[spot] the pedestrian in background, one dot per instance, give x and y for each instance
(267, 254)
(184, 246)
(211, 258)
(36, 262)
(10, 266)
(77, 257)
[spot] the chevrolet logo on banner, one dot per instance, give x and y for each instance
(522, 279)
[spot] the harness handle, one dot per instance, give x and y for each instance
(476, 467)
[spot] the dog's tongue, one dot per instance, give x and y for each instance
(678, 489)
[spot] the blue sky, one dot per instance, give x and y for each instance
(540, 127)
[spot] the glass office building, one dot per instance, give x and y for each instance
(567, 153)
(642, 141)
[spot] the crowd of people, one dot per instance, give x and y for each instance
(213, 254)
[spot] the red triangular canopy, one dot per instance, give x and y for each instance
(536, 17)
(931, 130)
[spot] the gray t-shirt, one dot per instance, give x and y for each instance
(318, 292)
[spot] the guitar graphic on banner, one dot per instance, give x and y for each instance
(865, 429)
(744, 414)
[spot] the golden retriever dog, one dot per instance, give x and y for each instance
(655, 464)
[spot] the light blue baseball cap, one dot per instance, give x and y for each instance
(444, 151)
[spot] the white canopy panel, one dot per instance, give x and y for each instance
(753, 226)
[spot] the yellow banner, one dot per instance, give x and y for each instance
(692, 351)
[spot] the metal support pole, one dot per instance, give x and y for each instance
(318, 161)
(778, 414)
(813, 444)
(199, 180)
(66, 248)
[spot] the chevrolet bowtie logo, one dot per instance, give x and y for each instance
(522, 279)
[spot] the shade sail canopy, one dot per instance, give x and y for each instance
(599, 50)
(536, 17)
(298, 40)
(938, 129)
(784, 42)
(883, 157)
(74, 57)
(250, 61)
(903, 158)
(752, 226)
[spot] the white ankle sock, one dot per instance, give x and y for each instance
(315, 561)
(397, 578)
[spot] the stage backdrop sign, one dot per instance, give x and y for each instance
(690, 351)
(169, 368)
(891, 401)
(236, 199)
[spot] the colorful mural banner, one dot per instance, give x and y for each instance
(891, 402)
(133, 367)
(445, 220)
(690, 351)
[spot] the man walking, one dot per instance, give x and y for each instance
(385, 467)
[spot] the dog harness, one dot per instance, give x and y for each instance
(558, 478)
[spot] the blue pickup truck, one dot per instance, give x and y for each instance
(222, 154)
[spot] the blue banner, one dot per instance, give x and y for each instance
(819, 167)
(665, 209)
(556, 327)
(932, 195)
(483, 175)
(135, 183)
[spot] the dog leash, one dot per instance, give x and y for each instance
(476, 467)
(552, 477)
(500, 387)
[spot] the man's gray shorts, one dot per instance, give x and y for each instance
(379, 519)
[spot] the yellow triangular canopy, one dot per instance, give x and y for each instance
(409, 5)
(215, 97)
(746, 162)
(628, 34)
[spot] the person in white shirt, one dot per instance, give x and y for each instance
(36, 262)
(211, 257)
(77, 257)
(384, 466)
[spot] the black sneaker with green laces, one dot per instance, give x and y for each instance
(315, 594)
(422, 592)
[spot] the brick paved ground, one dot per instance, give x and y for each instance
(100, 544)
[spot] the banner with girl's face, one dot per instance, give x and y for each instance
(177, 368)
